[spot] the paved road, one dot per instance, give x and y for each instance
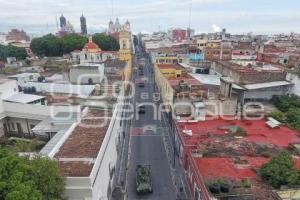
(147, 147)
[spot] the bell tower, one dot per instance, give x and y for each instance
(125, 46)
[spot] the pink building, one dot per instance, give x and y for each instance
(179, 34)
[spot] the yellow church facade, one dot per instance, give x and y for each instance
(125, 53)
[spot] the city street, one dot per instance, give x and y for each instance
(147, 147)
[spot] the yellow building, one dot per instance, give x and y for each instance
(170, 72)
(165, 88)
(125, 53)
(163, 73)
(166, 59)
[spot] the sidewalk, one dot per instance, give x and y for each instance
(178, 173)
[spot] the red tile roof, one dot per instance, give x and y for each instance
(257, 131)
(226, 167)
(91, 45)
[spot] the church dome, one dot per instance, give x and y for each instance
(91, 46)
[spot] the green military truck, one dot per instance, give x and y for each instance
(143, 179)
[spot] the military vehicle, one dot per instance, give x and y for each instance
(143, 179)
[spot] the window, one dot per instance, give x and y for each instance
(111, 170)
(32, 126)
(12, 126)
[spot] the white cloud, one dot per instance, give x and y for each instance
(216, 28)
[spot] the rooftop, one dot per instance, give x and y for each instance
(231, 168)
(257, 131)
(77, 155)
(189, 80)
(91, 45)
(79, 90)
(252, 68)
(3, 80)
(267, 85)
(207, 79)
(23, 98)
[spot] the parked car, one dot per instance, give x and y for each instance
(140, 83)
(141, 109)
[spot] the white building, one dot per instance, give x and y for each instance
(8, 88)
(19, 119)
(88, 153)
(9, 92)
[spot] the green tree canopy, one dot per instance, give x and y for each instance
(51, 45)
(284, 103)
(48, 45)
(290, 106)
(12, 51)
(73, 42)
(280, 170)
(106, 42)
(278, 115)
(25, 179)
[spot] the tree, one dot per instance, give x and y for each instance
(12, 51)
(284, 103)
(280, 170)
(73, 42)
(106, 42)
(293, 118)
(290, 105)
(278, 115)
(25, 179)
(48, 45)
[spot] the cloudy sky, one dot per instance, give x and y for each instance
(238, 16)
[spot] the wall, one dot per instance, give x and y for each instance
(26, 126)
(8, 88)
(218, 54)
(37, 111)
(90, 57)
(170, 72)
(249, 77)
(218, 107)
(81, 74)
(267, 93)
(165, 88)
(196, 181)
(166, 60)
